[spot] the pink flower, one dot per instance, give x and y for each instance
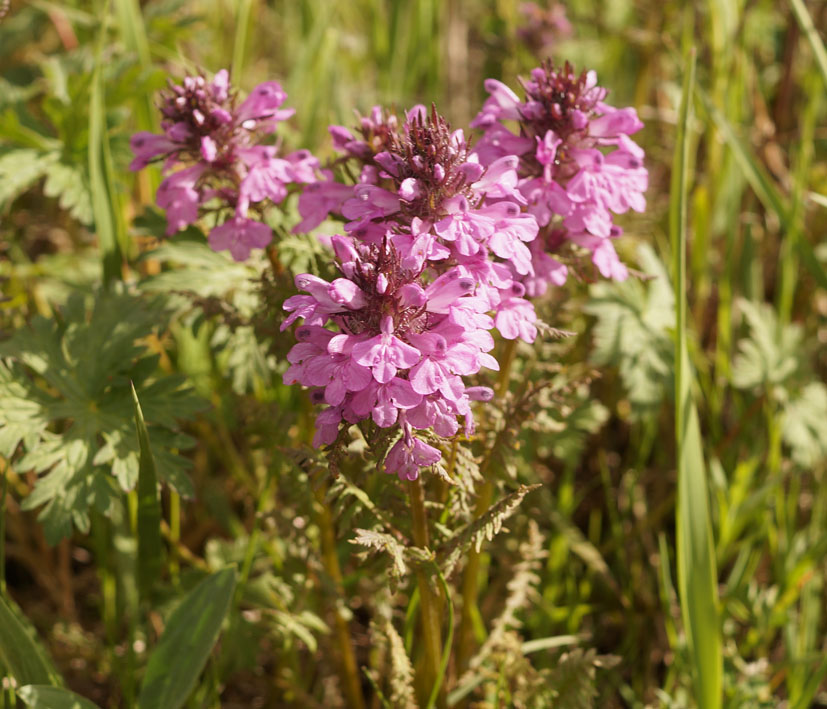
(383, 401)
(327, 427)
(240, 236)
(515, 318)
(214, 154)
(408, 455)
(179, 196)
(260, 109)
(147, 147)
(318, 200)
(578, 165)
(385, 353)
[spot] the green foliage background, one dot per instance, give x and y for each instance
(581, 597)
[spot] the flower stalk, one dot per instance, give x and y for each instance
(348, 668)
(428, 600)
(470, 580)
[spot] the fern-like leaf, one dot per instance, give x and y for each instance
(485, 527)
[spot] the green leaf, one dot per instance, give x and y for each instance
(187, 641)
(242, 26)
(197, 268)
(149, 509)
(72, 374)
(484, 527)
(631, 332)
(69, 185)
(772, 352)
(44, 697)
(767, 192)
(374, 539)
(20, 169)
(809, 30)
(573, 680)
(697, 574)
(803, 427)
(102, 192)
(20, 650)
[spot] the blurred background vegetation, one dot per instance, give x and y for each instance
(598, 571)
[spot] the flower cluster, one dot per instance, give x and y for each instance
(578, 166)
(421, 188)
(435, 246)
(215, 160)
(382, 343)
(441, 243)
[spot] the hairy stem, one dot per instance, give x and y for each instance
(428, 600)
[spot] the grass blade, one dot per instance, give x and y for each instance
(697, 575)
(21, 652)
(242, 27)
(769, 195)
(103, 214)
(132, 27)
(149, 509)
(186, 644)
(809, 30)
(39, 696)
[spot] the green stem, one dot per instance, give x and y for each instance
(428, 600)
(5, 466)
(175, 536)
(347, 657)
(470, 578)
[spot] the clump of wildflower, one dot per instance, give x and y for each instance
(384, 342)
(578, 165)
(216, 161)
(434, 240)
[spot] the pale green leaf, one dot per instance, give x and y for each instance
(45, 697)
(190, 634)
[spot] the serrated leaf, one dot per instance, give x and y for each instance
(632, 332)
(86, 360)
(804, 427)
(573, 680)
(771, 353)
(383, 542)
(46, 697)
(195, 267)
(485, 527)
(188, 639)
(68, 184)
(20, 169)
(403, 695)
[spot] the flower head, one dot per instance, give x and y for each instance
(578, 167)
(387, 345)
(216, 161)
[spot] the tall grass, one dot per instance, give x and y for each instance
(697, 575)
